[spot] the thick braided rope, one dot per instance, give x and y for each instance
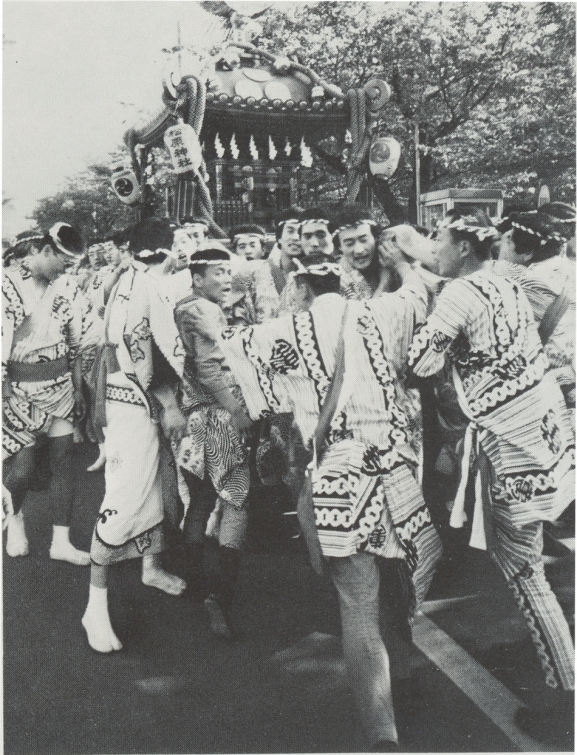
(360, 141)
(195, 93)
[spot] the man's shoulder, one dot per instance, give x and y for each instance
(202, 309)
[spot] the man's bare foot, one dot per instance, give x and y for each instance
(16, 540)
(67, 552)
(62, 549)
(162, 580)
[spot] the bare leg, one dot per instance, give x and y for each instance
(17, 475)
(61, 496)
(96, 620)
(154, 575)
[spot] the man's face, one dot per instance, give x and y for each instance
(506, 249)
(183, 245)
(358, 246)
(303, 295)
(249, 247)
(95, 256)
(111, 253)
(315, 237)
(197, 232)
(448, 251)
(289, 242)
(52, 264)
(215, 284)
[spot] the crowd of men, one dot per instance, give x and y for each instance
(354, 364)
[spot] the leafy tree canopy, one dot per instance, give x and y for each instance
(489, 85)
(87, 202)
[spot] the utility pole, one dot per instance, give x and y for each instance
(417, 173)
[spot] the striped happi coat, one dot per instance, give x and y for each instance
(484, 324)
(365, 493)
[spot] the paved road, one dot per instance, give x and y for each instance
(279, 688)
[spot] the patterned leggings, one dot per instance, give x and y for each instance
(518, 553)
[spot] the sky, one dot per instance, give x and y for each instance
(76, 75)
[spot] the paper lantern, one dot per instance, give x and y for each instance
(384, 156)
(125, 185)
(184, 147)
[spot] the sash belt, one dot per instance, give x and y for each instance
(22, 372)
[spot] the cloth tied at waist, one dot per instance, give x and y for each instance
(37, 372)
(105, 363)
(482, 477)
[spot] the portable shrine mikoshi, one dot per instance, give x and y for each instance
(248, 125)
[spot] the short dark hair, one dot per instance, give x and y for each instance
(151, 234)
(194, 220)
(291, 213)
(532, 234)
(562, 218)
(329, 283)
(314, 213)
(351, 215)
(201, 259)
(24, 244)
(478, 218)
(248, 228)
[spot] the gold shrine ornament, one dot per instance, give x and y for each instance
(184, 147)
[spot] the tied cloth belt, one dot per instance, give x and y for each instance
(481, 527)
(38, 372)
(106, 363)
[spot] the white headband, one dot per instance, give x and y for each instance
(544, 239)
(324, 221)
(325, 268)
(207, 262)
(255, 235)
(467, 224)
(53, 233)
(353, 226)
(147, 253)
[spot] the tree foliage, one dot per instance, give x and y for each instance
(87, 202)
(490, 86)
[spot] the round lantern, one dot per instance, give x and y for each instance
(125, 185)
(384, 156)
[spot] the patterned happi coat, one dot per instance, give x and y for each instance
(37, 326)
(542, 283)
(365, 493)
(483, 324)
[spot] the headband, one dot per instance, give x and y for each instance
(15, 241)
(197, 222)
(356, 224)
(324, 221)
(467, 224)
(207, 262)
(325, 268)
(281, 223)
(255, 235)
(53, 234)
(544, 239)
(145, 254)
